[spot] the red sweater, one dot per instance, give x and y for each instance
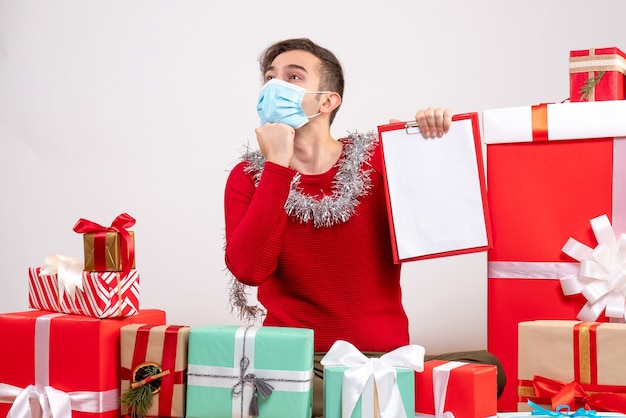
(339, 281)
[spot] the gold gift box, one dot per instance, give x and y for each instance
(112, 251)
(590, 353)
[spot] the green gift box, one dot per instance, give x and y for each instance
(356, 386)
(234, 370)
(333, 383)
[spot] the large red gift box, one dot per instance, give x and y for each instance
(64, 361)
(467, 390)
(550, 170)
(597, 74)
(103, 295)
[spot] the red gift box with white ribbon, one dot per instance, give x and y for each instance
(550, 169)
(54, 364)
(454, 388)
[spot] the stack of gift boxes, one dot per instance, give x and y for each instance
(557, 278)
(61, 359)
(556, 177)
(86, 349)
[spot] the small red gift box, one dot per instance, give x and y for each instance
(68, 363)
(468, 390)
(156, 348)
(597, 74)
(550, 170)
(103, 294)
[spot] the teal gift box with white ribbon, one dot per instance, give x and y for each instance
(366, 406)
(356, 386)
(242, 371)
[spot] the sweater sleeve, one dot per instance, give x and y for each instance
(255, 221)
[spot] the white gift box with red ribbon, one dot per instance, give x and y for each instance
(559, 121)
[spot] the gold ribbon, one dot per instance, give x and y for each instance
(596, 66)
(591, 63)
(583, 330)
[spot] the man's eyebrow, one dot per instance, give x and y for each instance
(290, 66)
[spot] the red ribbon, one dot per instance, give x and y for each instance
(119, 225)
(540, 122)
(576, 395)
(168, 362)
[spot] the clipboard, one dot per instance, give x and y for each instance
(435, 189)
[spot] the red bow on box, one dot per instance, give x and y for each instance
(576, 395)
(119, 225)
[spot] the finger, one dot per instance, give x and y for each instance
(447, 119)
(422, 121)
(443, 120)
(439, 121)
(431, 120)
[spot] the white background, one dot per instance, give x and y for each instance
(143, 106)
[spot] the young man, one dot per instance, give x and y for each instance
(306, 218)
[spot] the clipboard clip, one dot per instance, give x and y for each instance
(412, 128)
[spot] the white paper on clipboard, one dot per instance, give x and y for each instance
(435, 191)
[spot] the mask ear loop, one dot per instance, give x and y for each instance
(317, 92)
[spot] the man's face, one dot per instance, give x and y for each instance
(300, 68)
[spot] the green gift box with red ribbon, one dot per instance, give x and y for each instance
(154, 358)
(575, 363)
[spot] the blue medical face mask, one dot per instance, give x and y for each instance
(280, 101)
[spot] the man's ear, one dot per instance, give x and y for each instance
(332, 102)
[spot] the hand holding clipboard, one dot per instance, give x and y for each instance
(435, 189)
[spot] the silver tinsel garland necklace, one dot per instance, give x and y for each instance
(351, 182)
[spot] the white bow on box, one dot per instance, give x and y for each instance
(362, 368)
(69, 271)
(601, 277)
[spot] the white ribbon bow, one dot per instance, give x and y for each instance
(69, 271)
(45, 403)
(382, 369)
(601, 277)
